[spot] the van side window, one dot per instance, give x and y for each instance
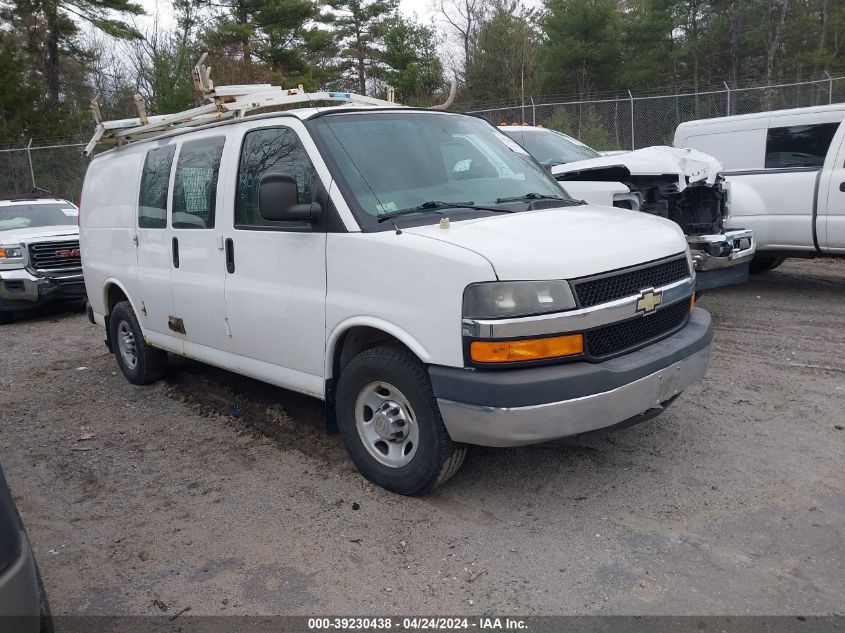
(799, 145)
(195, 186)
(152, 200)
(267, 151)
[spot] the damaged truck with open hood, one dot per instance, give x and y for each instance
(679, 184)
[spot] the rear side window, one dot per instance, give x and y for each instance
(152, 201)
(269, 151)
(799, 145)
(195, 186)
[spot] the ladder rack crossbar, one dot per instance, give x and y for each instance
(225, 102)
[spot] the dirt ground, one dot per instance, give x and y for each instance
(218, 493)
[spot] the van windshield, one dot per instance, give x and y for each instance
(420, 162)
(21, 216)
(552, 148)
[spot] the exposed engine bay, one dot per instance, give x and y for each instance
(699, 208)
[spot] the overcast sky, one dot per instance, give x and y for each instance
(424, 9)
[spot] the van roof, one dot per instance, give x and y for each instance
(303, 114)
(833, 107)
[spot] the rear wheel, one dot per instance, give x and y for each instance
(391, 425)
(764, 263)
(140, 363)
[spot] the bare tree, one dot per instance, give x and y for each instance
(463, 18)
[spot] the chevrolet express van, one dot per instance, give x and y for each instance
(417, 270)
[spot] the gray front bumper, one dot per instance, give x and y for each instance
(21, 290)
(603, 394)
(19, 591)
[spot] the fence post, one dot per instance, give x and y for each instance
(728, 88)
(829, 87)
(533, 112)
(29, 158)
(631, 97)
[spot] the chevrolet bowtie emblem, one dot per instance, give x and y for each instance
(648, 301)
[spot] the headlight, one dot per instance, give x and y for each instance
(497, 299)
(11, 252)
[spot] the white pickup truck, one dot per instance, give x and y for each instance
(681, 185)
(415, 269)
(786, 171)
(39, 254)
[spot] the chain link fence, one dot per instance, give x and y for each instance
(57, 169)
(631, 121)
(623, 122)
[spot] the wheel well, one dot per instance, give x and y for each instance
(114, 295)
(355, 341)
(352, 342)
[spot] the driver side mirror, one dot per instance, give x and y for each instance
(278, 200)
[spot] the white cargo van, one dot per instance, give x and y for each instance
(786, 173)
(417, 270)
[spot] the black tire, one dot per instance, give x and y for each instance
(150, 363)
(437, 457)
(764, 263)
(6, 318)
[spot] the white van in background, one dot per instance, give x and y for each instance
(682, 185)
(786, 172)
(417, 270)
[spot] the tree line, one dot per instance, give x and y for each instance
(55, 55)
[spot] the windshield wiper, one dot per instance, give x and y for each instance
(528, 197)
(438, 205)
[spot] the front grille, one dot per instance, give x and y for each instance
(612, 286)
(48, 256)
(626, 335)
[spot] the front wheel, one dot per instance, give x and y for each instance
(390, 422)
(764, 263)
(6, 317)
(140, 363)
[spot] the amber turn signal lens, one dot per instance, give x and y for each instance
(526, 349)
(692, 302)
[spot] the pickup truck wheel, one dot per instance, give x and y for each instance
(390, 423)
(764, 263)
(5, 318)
(140, 363)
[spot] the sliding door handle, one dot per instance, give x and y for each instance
(175, 246)
(230, 255)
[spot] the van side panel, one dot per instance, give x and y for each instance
(107, 223)
(741, 149)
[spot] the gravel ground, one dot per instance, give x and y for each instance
(217, 493)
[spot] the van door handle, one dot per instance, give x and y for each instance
(175, 244)
(230, 255)
(842, 186)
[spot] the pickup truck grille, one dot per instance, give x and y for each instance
(50, 256)
(626, 335)
(609, 287)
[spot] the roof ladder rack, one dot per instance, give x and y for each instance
(224, 102)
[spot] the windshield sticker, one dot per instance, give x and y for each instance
(386, 207)
(70, 212)
(511, 144)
